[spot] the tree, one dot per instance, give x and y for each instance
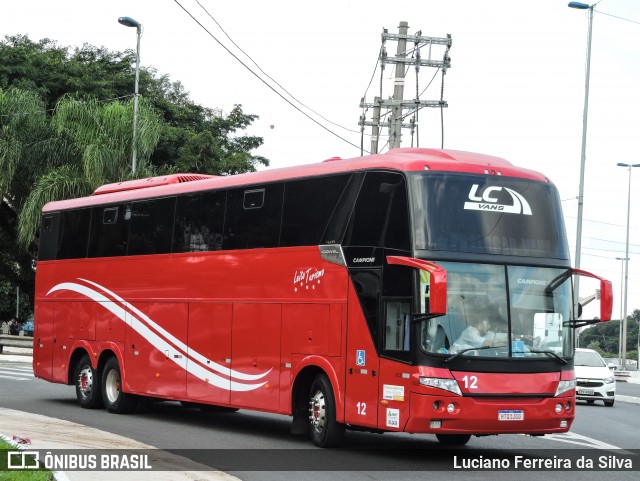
(65, 128)
(607, 335)
(192, 137)
(100, 137)
(23, 127)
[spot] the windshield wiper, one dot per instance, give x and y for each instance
(451, 358)
(551, 353)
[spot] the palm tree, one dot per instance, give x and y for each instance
(23, 124)
(97, 139)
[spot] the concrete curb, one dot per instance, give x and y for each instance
(48, 433)
(57, 475)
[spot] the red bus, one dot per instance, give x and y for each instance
(420, 290)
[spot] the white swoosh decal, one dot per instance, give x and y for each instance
(133, 315)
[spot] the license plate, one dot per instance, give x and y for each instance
(586, 392)
(511, 415)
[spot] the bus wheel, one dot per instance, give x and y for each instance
(326, 432)
(115, 400)
(87, 381)
(454, 439)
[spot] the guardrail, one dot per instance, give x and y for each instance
(15, 341)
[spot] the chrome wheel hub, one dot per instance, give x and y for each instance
(317, 411)
(112, 386)
(85, 381)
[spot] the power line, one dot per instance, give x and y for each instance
(619, 18)
(600, 222)
(268, 76)
(263, 81)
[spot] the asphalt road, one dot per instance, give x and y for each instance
(258, 446)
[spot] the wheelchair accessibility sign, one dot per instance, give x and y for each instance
(360, 357)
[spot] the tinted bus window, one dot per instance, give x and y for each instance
(308, 205)
(151, 226)
(109, 231)
(380, 217)
(199, 222)
(48, 242)
(74, 234)
(249, 224)
(488, 215)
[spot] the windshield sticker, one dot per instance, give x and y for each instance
(487, 202)
(307, 279)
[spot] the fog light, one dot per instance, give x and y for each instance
(436, 405)
(435, 424)
(567, 406)
(558, 408)
(563, 423)
(450, 408)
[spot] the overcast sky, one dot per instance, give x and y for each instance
(515, 88)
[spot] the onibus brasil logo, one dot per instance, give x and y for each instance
(487, 202)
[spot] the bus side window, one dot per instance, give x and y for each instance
(250, 224)
(110, 231)
(308, 205)
(397, 289)
(74, 234)
(48, 241)
(151, 226)
(199, 222)
(380, 217)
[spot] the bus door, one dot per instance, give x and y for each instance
(362, 363)
(396, 347)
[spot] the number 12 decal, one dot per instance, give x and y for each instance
(470, 382)
(362, 409)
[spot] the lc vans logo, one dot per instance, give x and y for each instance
(487, 202)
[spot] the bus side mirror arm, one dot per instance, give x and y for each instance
(437, 282)
(606, 297)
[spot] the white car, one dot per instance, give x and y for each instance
(595, 382)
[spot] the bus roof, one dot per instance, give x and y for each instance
(402, 159)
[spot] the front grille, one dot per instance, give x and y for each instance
(589, 383)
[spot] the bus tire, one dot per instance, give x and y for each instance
(115, 400)
(326, 432)
(88, 384)
(454, 439)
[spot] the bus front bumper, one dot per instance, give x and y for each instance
(490, 415)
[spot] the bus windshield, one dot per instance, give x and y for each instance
(487, 214)
(506, 311)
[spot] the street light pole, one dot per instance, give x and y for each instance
(583, 6)
(130, 22)
(626, 268)
(621, 289)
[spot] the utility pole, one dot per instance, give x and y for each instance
(396, 105)
(398, 89)
(375, 129)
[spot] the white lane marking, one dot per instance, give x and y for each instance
(580, 440)
(14, 378)
(25, 372)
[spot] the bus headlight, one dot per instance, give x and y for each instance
(450, 385)
(564, 386)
